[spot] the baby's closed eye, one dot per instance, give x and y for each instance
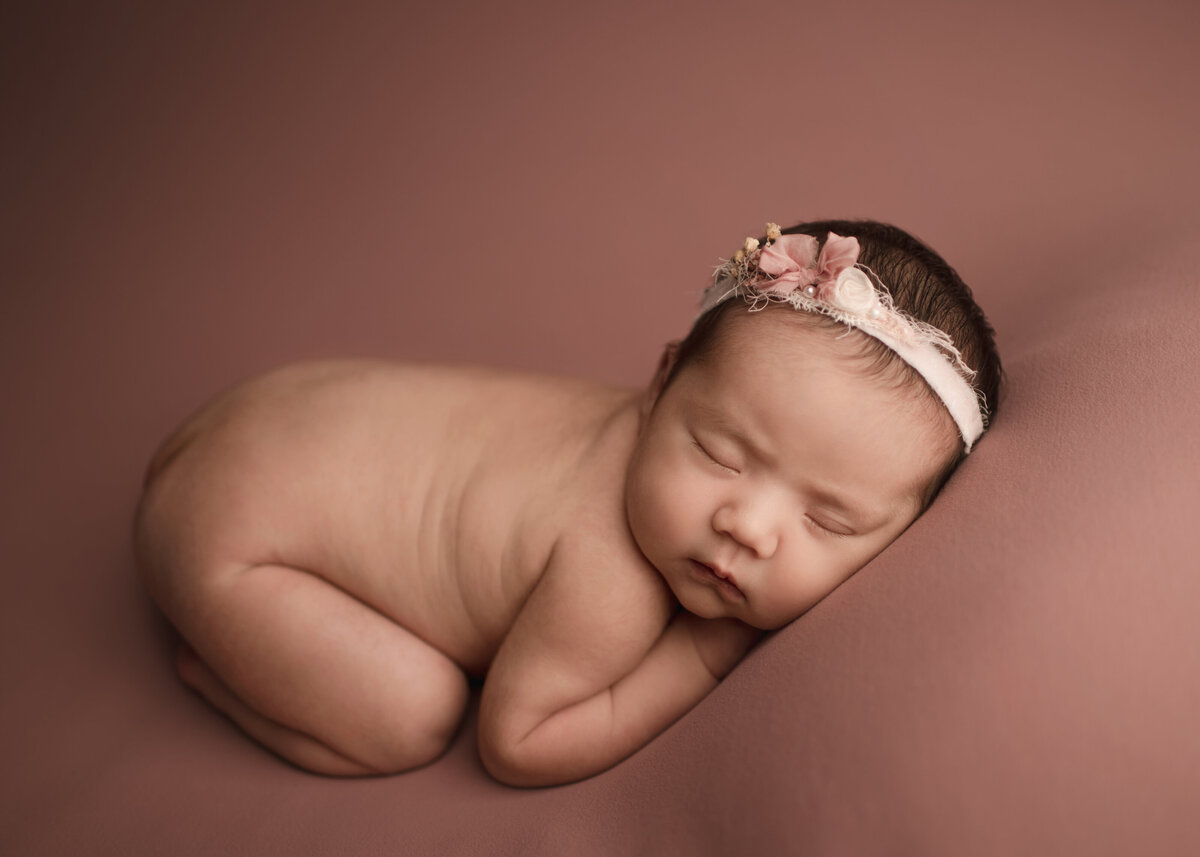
(827, 528)
(711, 457)
(821, 525)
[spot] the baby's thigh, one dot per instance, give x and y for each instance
(305, 654)
(290, 640)
(223, 495)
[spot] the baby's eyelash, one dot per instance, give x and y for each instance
(823, 530)
(709, 456)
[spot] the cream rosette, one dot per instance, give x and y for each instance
(854, 293)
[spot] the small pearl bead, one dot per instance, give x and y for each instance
(811, 291)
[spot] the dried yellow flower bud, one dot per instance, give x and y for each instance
(739, 255)
(751, 245)
(773, 231)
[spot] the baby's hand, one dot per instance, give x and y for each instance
(720, 643)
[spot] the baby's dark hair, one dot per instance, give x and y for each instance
(922, 285)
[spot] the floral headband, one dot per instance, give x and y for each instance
(788, 269)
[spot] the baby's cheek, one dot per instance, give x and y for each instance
(659, 512)
(659, 508)
(642, 502)
(805, 580)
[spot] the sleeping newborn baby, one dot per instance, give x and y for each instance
(342, 545)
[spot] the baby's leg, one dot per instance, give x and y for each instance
(292, 745)
(317, 676)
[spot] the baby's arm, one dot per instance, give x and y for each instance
(588, 675)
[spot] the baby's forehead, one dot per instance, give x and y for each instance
(784, 327)
(779, 332)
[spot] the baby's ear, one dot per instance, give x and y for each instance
(665, 364)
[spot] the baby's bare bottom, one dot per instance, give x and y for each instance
(315, 675)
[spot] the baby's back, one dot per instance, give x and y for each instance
(432, 494)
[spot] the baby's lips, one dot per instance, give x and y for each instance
(727, 576)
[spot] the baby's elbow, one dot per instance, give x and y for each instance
(500, 763)
(504, 761)
(521, 762)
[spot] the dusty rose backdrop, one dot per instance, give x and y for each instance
(193, 193)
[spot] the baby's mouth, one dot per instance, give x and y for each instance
(723, 581)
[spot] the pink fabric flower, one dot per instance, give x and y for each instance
(837, 255)
(792, 263)
(789, 260)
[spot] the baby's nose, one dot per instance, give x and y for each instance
(749, 526)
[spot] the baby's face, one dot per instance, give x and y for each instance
(779, 466)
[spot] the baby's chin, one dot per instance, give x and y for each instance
(695, 603)
(704, 611)
(710, 611)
